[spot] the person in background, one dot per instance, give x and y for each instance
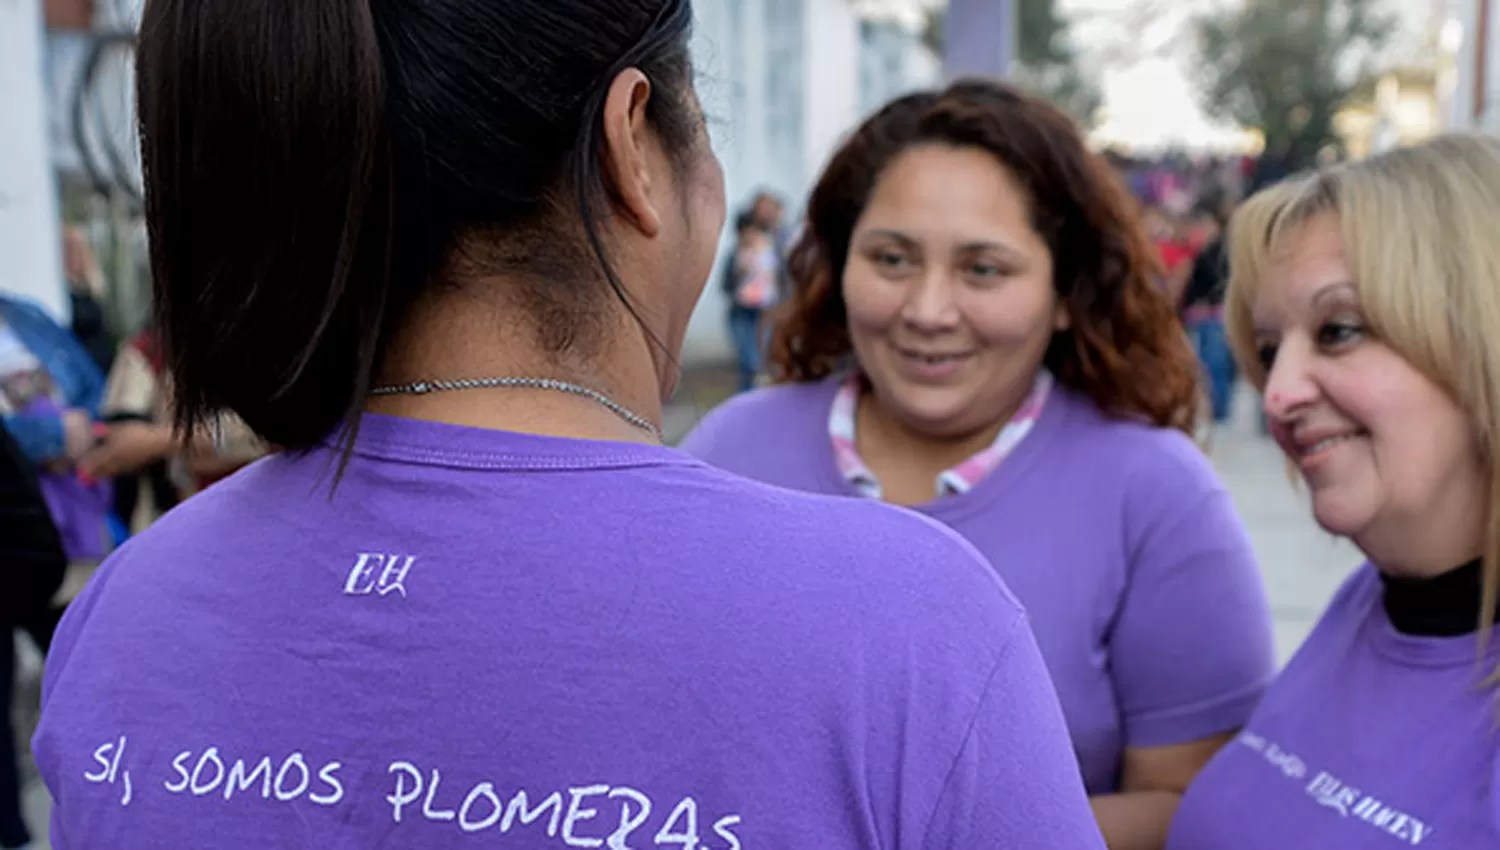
(86, 294)
(32, 567)
(769, 215)
(49, 389)
(751, 278)
(49, 397)
(476, 601)
(1203, 312)
(133, 400)
(1203, 225)
(1172, 248)
(141, 449)
(759, 233)
(974, 333)
(1364, 303)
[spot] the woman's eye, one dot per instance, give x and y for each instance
(1335, 334)
(1266, 354)
(986, 270)
(890, 260)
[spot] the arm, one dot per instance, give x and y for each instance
(1191, 650)
(51, 438)
(1152, 783)
(1015, 782)
(131, 446)
(128, 447)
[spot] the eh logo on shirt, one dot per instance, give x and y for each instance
(379, 575)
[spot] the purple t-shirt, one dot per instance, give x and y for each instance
(489, 639)
(1369, 738)
(1118, 538)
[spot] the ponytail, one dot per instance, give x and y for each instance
(311, 165)
(269, 207)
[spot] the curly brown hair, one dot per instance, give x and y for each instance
(1124, 347)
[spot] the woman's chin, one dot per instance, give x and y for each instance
(1340, 517)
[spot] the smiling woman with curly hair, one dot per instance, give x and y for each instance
(976, 332)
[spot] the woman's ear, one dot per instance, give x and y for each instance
(628, 142)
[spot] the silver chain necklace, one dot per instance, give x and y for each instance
(425, 387)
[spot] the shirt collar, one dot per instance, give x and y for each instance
(954, 481)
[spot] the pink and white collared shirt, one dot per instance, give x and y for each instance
(951, 482)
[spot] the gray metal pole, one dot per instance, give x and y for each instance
(979, 38)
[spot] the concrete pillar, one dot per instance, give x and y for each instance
(979, 38)
(29, 238)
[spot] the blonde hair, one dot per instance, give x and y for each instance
(1418, 229)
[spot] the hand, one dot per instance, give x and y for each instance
(128, 447)
(78, 435)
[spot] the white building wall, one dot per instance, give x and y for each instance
(1486, 114)
(833, 90)
(782, 83)
(893, 62)
(1462, 98)
(1464, 113)
(924, 69)
(30, 245)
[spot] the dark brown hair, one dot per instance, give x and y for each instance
(1125, 347)
(313, 166)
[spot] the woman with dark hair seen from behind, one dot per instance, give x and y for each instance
(445, 252)
(975, 332)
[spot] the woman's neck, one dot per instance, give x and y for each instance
(1445, 605)
(906, 461)
(444, 341)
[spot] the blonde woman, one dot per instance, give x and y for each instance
(1365, 304)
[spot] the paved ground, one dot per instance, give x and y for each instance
(1302, 565)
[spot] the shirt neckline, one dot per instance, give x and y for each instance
(1420, 650)
(1062, 408)
(955, 481)
(440, 444)
(1446, 605)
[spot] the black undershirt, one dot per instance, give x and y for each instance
(1443, 606)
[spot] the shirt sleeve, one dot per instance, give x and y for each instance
(1015, 782)
(131, 388)
(1192, 650)
(39, 435)
(717, 431)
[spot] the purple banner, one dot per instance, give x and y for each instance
(979, 38)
